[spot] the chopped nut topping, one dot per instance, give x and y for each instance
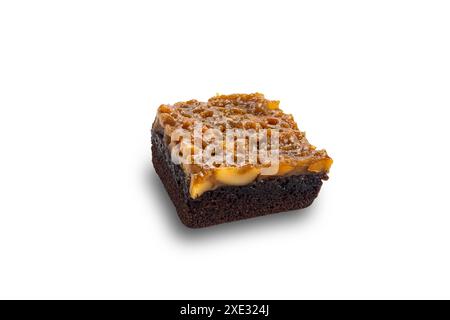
(167, 119)
(248, 112)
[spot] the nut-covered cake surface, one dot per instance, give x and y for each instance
(244, 113)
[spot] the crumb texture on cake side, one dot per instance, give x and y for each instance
(231, 203)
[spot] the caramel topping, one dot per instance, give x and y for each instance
(246, 112)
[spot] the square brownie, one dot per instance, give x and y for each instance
(209, 188)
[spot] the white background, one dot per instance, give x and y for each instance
(83, 214)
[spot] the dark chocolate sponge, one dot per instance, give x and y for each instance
(231, 203)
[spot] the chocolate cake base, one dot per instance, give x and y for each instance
(231, 203)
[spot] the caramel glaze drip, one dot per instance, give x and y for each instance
(241, 111)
